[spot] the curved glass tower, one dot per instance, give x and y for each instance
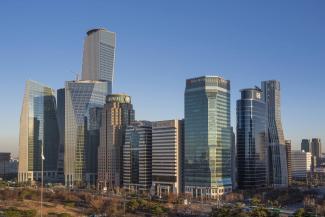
(251, 140)
(278, 166)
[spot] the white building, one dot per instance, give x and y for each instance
(167, 151)
(301, 163)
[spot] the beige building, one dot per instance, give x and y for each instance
(117, 114)
(167, 157)
(300, 164)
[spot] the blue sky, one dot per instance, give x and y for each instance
(161, 43)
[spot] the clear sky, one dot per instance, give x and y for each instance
(160, 43)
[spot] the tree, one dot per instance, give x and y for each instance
(302, 213)
(132, 205)
(259, 212)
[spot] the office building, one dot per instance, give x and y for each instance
(117, 114)
(99, 56)
(167, 157)
(38, 133)
(288, 152)
(316, 149)
(137, 157)
(60, 114)
(234, 171)
(251, 140)
(305, 145)
(93, 121)
(277, 169)
(300, 164)
(207, 166)
(8, 167)
(80, 98)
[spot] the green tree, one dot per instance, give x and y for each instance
(302, 213)
(132, 205)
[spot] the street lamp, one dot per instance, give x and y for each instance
(42, 179)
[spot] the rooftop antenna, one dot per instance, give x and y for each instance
(77, 75)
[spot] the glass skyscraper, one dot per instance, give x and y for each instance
(38, 130)
(80, 98)
(99, 56)
(251, 140)
(278, 166)
(208, 137)
(137, 154)
(305, 145)
(60, 113)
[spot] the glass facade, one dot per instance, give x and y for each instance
(99, 56)
(251, 140)
(137, 153)
(278, 166)
(208, 135)
(38, 128)
(80, 98)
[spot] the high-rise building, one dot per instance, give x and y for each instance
(99, 56)
(167, 157)
(60, 114)
(137, 157)
(288, 151)
(316, 149)
(80, 97)
(301, 163)
(117, 114)
(234, 171)
(305, 145)
(278, 169)
(38, 133)
(207, 166)
(251, 140)
(93, 121)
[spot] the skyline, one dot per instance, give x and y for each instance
(289, 58)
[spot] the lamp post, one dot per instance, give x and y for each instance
(42, 179)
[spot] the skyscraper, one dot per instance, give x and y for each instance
(316, 149)
(137, 154)
(207, 167)
(117, 114)
(93, 121)
(288, 151)
(167, 157)
(278, 169)
(251, 140)
(38, 130)
(60, 114)
(80, 97)
(99, 56)
(305, 145)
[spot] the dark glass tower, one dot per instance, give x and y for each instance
(251, 140)
(137, 157)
